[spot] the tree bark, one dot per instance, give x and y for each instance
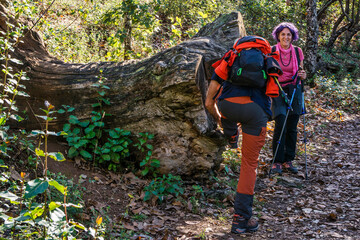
(163, 95)
(311, 40)
(351, 34)
(127, 40)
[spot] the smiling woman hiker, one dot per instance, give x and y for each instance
(285, 132)
(245, 77)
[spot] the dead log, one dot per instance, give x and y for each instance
(163, 94)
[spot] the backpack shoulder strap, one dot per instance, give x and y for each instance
(297, 55)
(298, 60)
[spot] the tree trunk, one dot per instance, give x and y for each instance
(4, 3)
(127, 40)
(311, 40)
(163, 95)
(351, 34)
(350, 15)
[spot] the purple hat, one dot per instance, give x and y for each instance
(294, 31)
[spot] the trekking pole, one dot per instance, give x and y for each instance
(282, 130)
(283, 94)
(303, 112)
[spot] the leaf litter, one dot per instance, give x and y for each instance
(326, 206)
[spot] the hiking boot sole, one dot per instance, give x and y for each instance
(244, 230)
(292, 171)
(273, 172)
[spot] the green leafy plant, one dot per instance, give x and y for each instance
(195, 205)
(74, 192)
(28, 217)
(201, 235)
(39, 208)
(163, 186)
(93, 31)
(10, 85)
(199, 192)
(149, 165)
(91, 140)
(28, 146)
(232, 159)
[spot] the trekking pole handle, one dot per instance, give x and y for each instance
(287, 101)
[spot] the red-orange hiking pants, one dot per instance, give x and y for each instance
(253, 120)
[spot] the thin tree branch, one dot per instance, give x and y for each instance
(353, 10)
(41, 15)
(323, 9)
(32, 111)
(345, 11)
(358, 13)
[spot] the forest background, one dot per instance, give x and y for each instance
(132, 29)
(92, 31)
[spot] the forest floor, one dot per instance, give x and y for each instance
(325, 206)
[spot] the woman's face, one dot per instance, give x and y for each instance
(285, 38)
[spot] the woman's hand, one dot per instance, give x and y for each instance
(302, 74)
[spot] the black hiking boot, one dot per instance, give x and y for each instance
(241, 225)
(288, 166)
(276, 168)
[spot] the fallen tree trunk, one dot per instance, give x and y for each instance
(163, 95)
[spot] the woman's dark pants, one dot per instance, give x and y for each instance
(287, 144)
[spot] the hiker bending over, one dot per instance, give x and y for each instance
(291, 62)
(246, 101)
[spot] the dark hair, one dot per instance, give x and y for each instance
(294, 31)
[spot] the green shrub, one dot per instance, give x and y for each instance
(31, 213)
(85, 138)
(91, 140)
(343, 94)
(160, 187)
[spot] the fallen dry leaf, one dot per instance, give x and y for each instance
(158, 221)
(128, 226)
(332, 216)
(137, 210)
(176, 203)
